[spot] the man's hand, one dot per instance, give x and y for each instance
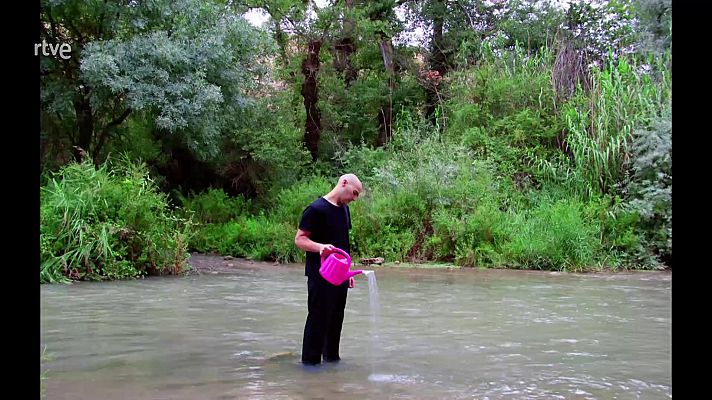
(326, 247)
(351, 282)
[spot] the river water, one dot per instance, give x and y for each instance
(435, 334)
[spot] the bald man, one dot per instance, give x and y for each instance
(325, 224)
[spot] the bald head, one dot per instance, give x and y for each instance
(350, 178)
(347, 189)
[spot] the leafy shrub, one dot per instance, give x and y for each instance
(651, 186)
(215, 206)
(98, 223)
(554, 235)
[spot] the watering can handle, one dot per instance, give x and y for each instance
(335, 250)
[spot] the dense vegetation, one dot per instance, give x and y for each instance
(507, 134)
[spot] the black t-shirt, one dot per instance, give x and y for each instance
(328, 224)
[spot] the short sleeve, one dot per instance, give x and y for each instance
(309, 219)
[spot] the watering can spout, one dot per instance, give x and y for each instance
(354, 272)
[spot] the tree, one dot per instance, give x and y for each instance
(602, 28)
(382, 16)
(344, 47)
(655, 18)
(187, 65)
(67, 109)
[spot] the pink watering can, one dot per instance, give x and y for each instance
(335, 267)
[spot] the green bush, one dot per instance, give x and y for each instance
(501, 87)
(650, 188)
(289, 203)
(102, 223)
(215, 206)
(601, 123)
(263, 237)
(385, 226)
(257, 238)
(471, 239)
(554, 235)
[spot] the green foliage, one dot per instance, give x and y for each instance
(602, 27)
(385, 226)
(473, 238)
(254, 237)
(98, 223)
(272, 142)
(651, 186)
(182, 68)
(621, 237)
(554, 235)
(468, 216)
(532, 23)
(508, 176)
(350, 115)
(655, 33)
(186, 78)
(266, 236)
(215, 206)
(506, 83)
(503, 111)
(422, 178)
(290, 202)
(601, 122)
(136, 138)
(364, 160)
(435, 199)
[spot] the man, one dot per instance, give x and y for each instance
(325, 224)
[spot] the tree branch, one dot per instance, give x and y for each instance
(79, 37)
(110, 126)
(469, 17)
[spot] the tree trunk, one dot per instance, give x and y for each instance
(344, 49)
(385, 115)
(438, 63)
(382, 12)
(310, 93)
(85, 120)
(281, 38)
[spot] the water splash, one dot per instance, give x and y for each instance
(375, 328)
(372, 294)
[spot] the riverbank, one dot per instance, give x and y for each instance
(217, 264)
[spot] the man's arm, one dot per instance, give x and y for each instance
(303, 242)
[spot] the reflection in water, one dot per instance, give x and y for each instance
(438, 334)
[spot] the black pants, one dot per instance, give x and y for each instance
(322, 331)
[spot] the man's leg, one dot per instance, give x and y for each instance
(335, 322)
(316, 324)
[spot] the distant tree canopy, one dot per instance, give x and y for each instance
(193, 81)
(185, 67)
